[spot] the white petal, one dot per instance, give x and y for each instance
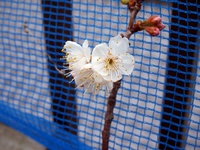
(98, 78)
(100, 51)
(110, 86)
(99, 54)
(99, 67)
(91, 80)
(122, 47)
(85, 44)
(73, 47)
(83, 76)
(113, 76)
(114, 41)
(76, 55)
(86, 50)
(107, 85)
(77, 66)
(126, 63)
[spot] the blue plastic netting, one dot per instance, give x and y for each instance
(157, 106)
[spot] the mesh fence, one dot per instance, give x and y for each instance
(157, 106)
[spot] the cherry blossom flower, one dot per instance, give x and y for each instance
(98, 71)
(76, 56)
(91, 80)
(112, 61)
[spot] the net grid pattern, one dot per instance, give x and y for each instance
(38, 101)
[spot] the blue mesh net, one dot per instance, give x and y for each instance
(157, 106)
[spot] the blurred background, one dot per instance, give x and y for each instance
(11, 139)
(157, 106)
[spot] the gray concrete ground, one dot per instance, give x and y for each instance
(11, 139)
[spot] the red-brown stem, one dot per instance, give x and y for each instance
(109, 114)
(134, 11)
(112, 98)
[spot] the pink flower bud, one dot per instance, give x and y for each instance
(153, 25)
(160, 26)
(154, 20)
(153, 31)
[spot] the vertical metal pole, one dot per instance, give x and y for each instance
(58, 29)
(181, 74)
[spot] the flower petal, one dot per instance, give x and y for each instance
(100, 51)
(86, 50)
(123, 47)
(77, 66)
(109, 86)
(85, 44)
(91, 80)
(100, 68)
(73, 46)
(98, 65)
(98, 78)
(99, 55)
(83, 76)
(113, 76)
(114, 41)
(126, 63)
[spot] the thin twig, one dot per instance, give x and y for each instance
(112, 98)
(134, 11)
(26, 30)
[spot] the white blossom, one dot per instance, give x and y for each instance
(98, 71)
(91, 80)
(112, 61)
(76, 55)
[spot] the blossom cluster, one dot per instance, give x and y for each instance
(98, 68)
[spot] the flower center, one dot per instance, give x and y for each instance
(111, 63)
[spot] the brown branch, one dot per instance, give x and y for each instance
(132, 28)
(109, 114)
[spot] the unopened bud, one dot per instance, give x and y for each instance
(161, 26)
(154, 20)
(153, 25)
(153, 31)
(125, 2)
